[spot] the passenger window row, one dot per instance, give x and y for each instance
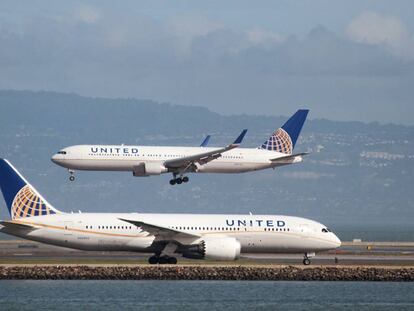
(111, 227)
(277, 229)
(206, 228)
(223, 228)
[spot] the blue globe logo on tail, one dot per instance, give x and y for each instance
(280, 141)
(21, 198)
(27, 203)
(284, 139)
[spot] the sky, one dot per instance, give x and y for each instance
(344, 60)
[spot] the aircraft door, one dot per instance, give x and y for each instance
(68, 226)
(67, 232)
(305, 230)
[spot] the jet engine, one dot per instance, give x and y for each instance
(219, 248)
(148, 169)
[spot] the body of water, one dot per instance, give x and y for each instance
(378, 233)
(204, 295)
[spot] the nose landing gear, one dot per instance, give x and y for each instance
(71, 175)
(306, 260)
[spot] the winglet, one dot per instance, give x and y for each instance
(240, 138)
(205, 141)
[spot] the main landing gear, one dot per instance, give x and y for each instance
(162, 260)
(179, 180)
(71, 175)
(306, 260)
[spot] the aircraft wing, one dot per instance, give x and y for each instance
(204, 157)
(285, 159)
(160, 231)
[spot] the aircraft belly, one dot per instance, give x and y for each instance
(127, 165)
(274, 243)
(132, 244)
(89, 242)
(101, 165)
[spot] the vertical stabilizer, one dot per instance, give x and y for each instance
(284, 139)
(22, 199)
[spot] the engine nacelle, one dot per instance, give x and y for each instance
(219, 248)
(148, 169)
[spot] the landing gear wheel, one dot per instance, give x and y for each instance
(178, 181)
(172, 260)
(153, 260)
(172, 182)
(186, 179)
(163, 260)
(71, 176)
(306, 261)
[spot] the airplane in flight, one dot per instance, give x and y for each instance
(276, 151)
(197, 236)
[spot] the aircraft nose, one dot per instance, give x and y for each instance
(336, 240)
(56, 158)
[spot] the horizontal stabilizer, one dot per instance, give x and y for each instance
(16, 227)
(289, 157)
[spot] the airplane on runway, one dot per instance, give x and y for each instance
(155, 160)
(197, 236)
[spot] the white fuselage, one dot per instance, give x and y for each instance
(125, 158)
(105, 231)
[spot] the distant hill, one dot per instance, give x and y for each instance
(357, 172)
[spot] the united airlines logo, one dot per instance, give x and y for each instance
(280, 141)
(27, 203)
(114, 150)
(255, 223)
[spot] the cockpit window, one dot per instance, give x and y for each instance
(61, 152)
(325, 230)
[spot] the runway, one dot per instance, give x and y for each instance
(350, 253)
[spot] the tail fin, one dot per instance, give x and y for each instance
(284, 139)
(22, 198)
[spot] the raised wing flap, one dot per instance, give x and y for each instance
(159, 231)
(203, 157)
(184, 161)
